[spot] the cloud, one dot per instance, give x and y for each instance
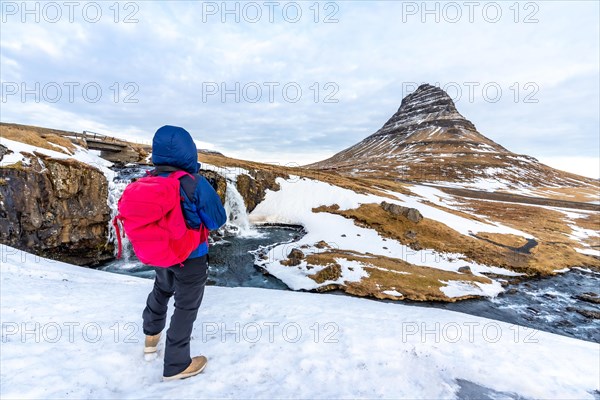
(580, 165)
(170, 56)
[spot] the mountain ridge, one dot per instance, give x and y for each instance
(428, 140)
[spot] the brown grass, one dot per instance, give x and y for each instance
(414, 282)
(16, 166)
(507, 240)
(61, 141)
(35, 138)
(453, 211)
(583, 194)
(592, 221)
(358, 185)
(554, 250)
(429, 234)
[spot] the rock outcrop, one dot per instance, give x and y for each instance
(129, 154)
(412, 214)
(253, 187)
(218, 182)
(56, 208)
(427, 107)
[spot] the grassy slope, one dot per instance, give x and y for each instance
(39, 137)
(555, 249)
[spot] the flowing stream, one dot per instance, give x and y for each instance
(231, 260)
(566, 304)
(562, 304)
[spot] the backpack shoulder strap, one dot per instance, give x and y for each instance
(188, 182)
(160, 169)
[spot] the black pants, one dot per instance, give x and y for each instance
(187, 283)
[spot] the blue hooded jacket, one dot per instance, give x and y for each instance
(173, 146)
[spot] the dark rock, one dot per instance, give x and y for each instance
(410, 235)
(329, 273)
(217, 181)
(343, 235)
(322, 245)
(328, 288)
(512, 291)
(465, 270)
(253, 187)
(412, 214)
(128, 154)
(586, 313)
(57, 209)
(591, 314)
(589, 297)
(565, 323)
(296, 254)
(4, 151)
(295, 258)
(427, 106)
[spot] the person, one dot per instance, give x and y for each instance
(174, 149)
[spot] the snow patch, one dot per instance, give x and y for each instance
(455, 289)
(362, 347)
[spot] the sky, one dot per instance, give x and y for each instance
(296, 82)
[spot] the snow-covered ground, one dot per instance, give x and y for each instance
(70, 332)
(293, 204)
(86, 156)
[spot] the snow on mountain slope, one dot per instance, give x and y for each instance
(69, 332)
(428, 140)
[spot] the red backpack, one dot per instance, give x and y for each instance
(152, 218)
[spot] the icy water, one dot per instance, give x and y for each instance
(564, 304)
(553, 304)
(231, 261)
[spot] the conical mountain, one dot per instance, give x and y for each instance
(428, 140)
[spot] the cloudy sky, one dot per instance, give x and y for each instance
(295, 82)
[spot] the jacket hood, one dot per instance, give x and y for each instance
(175, 147)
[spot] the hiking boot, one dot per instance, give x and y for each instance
(198, 364)
(151, 343)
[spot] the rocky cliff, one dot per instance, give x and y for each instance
(253, 186)
(56, 208)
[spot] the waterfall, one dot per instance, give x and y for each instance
(237, 217)
(115, 190)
